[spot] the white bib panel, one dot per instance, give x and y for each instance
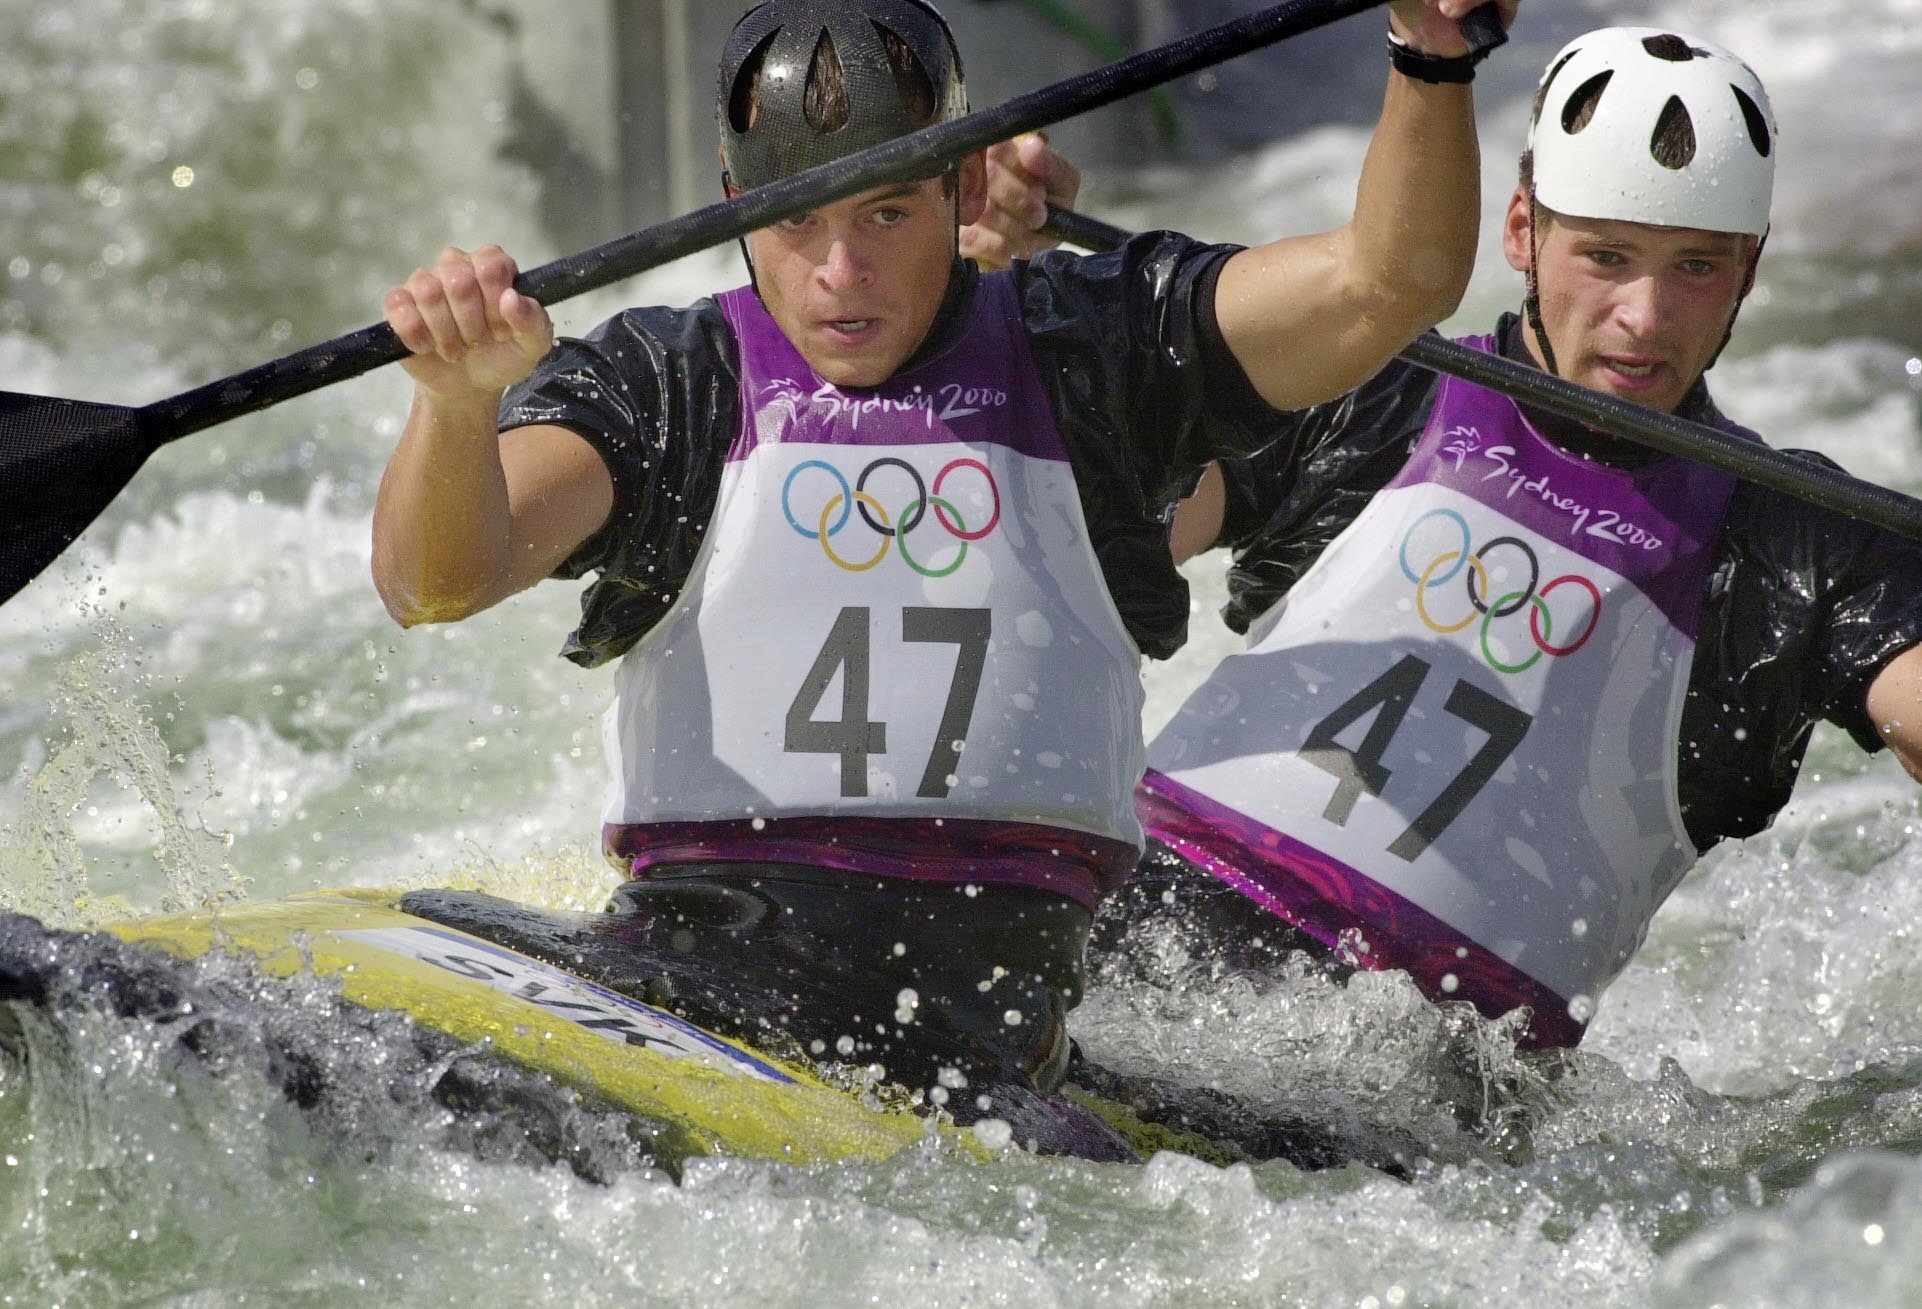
(846, 674)
(1519, 789)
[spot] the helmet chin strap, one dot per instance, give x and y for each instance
(1748, 284)
(728, 191)
(954, 260)
(1532, 300)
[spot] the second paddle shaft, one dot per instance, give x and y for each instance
(1752, 461)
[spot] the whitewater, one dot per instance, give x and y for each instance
(204, 700)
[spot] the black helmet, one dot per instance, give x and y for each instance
(898, 69)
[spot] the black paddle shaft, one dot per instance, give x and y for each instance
(904, 159)
(1751, 461)
(63, 461)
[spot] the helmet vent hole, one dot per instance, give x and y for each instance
(1670, 47)
(1758, 123)
(1582, 104)
(1673, 144)
(825, 105)
(746, 93)
(1541, 91)
(911, 78)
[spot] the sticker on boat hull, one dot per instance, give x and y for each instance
(566, 997)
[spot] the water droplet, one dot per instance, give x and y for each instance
(993, 1133)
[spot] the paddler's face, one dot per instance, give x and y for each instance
(1631, 309)
(856, 285)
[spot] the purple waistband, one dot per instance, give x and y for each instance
(1077, 865)
(1326, 898)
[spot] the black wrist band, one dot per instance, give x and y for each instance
(1434, 69)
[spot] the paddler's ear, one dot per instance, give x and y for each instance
(973, 181)
(1516, 246)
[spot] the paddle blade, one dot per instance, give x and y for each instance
(61, 463)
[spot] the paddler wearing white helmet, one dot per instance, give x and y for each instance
(1670, 138)
(878, 542)
(1509, 676)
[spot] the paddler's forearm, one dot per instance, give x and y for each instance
(1895, 707)
(1310, 318)
(1418, 209)
(442, 521)
(467, 515)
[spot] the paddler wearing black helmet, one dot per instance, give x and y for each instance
(769, 129)
(876, 540)
(1508, 676)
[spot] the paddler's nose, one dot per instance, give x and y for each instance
(842, 268)
(1640, 307)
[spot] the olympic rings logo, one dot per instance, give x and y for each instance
(1443, 568)
(839, 509)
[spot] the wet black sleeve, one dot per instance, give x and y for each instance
(1134, 355)
(1145, 395)
(1804, 608)
(1286, 502)
(1869, 610)
(655, 392)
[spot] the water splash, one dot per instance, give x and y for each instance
(109, 736)
(1366, 1069)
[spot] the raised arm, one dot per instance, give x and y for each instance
(1311, 317)
(467, 515)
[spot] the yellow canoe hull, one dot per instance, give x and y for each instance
(710, 1095)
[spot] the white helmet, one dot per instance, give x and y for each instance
(1647, 126)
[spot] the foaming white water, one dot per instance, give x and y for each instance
(411, 1221)
(1787, 955)
(336, 750)
(1854, 401)
(1839, 1241)
(210, 691)
(1369, 1070)
(204, 181)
